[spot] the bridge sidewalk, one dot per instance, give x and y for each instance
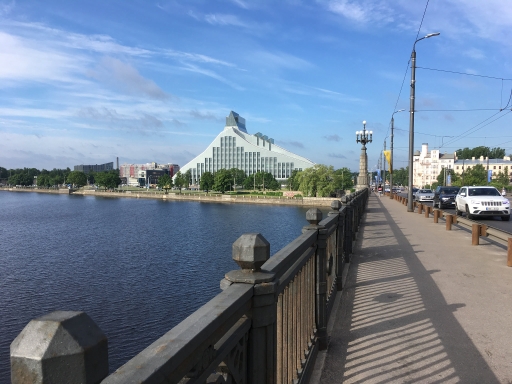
(421, 304)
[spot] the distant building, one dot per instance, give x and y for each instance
(235, 148)
(143, 174)
(428, 165)
(94, 168)
(495, 165)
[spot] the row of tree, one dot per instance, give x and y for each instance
(491, 153)
(221, 181)
(56, 177)
(476, 175)
(321, 180)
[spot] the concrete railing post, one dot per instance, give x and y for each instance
(427, 211)
(340, 237)
(436, 215)
(475, 234)
(347, 243)
(314, 216)
(60, 347)
(450, 219)
(250, 251)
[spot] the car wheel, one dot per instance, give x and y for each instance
(458, 212)
(468, 215)
(505, 218)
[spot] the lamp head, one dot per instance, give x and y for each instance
(432, 34)
(364, 122)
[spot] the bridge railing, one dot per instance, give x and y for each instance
(265, 326)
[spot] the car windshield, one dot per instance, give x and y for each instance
(425, 191)
(450, 191)
(483, 192)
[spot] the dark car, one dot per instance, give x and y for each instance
(445, 196)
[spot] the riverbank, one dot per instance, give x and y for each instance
(201, 197)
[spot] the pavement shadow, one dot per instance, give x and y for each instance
(394, 324)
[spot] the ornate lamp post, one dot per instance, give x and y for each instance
(411, 120)
(363, 137)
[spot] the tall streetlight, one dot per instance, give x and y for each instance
(363, 137)
(391, 154)
(411, 119)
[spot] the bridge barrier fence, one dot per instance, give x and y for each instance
(265, 326)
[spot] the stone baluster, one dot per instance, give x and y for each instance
(314, 216)
(60, 348)
(250, 251)
(340, 237)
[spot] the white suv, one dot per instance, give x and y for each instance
(482, 201)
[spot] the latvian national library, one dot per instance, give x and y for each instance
(235, 148)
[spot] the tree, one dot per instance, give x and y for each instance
(108, 180)
(345, 181)
(492, 153)
(261, 181)
(44, 180)
(207, 181)
(502, 179)
(77, 178)
(476, 175)
(401, 176)
(179, 181)
(442, 179)
(187, 177)
(165, 182)
(238, 176)
(223, 180)
(293, 181)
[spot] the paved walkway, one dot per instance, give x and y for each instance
(421, 305)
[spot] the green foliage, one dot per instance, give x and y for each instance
(187, 177)
(207, 181)
(180, 181)
(476, 175)
(262, 181)
(77, 178)
(502, 179)
(492, 153)
(223, 181)
(322, 180)
(293, 181)
(401, 176)
(455, 178)
(108, 180)
(165, 182)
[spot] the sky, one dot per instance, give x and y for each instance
(84, 82)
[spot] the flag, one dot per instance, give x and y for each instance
(378, 175)
(489, 175)
(387, 155)
(449, 180)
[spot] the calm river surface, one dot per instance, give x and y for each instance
(137, 267)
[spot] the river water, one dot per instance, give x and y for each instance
(137, 267)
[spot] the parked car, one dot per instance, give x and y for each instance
(424, 195)
(482, 201)
(445, 196)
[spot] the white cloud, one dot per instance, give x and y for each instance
(361, 11)
(125, 77)
(280, 60)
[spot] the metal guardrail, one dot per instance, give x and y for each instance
(266, 325)
(478, 229)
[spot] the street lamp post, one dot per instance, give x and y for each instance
(363, 137)
(391, 154)
(411, 120)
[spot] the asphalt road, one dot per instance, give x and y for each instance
(494, 222)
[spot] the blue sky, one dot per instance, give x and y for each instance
(83, 82)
